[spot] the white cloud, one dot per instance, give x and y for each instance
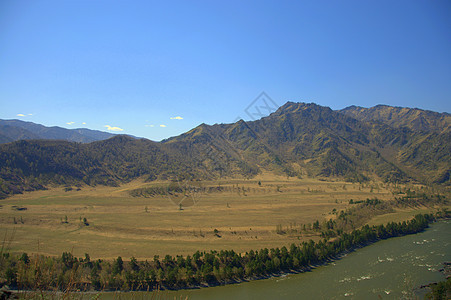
(176, 118)
(111, 128)
(84, 123)
(162, 125)
(30, 114)
(150, 125)
(70, 123)
(20, 115)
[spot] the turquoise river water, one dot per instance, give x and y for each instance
(388, 269)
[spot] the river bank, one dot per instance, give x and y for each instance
(208, 269)
(389, 269)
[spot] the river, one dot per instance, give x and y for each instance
(388, 269)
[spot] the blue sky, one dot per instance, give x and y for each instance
(157, 69)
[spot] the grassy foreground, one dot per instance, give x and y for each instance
(200, 235)
(68, 273)
(240, 215)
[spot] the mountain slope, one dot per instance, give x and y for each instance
(298, 139)
(424, 150)
(315, 140)
(16, 130)
(412, 118)
(9, 133)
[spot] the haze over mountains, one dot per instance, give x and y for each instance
(14, 130)
(356, 144)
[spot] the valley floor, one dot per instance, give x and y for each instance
(239, 214)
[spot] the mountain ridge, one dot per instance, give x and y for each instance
(18, 130)
(299, 139)
(412, 118)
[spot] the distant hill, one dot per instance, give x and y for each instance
(10, 133)
(14, 130)
(299, 139)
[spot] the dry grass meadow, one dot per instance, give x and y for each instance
(245, 214)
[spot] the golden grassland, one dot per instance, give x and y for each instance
(245, 215)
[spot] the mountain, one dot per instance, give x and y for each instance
(412, 118)
(299, 139)
(95, 135)
(307, 139)
(426, 152)
(10, 133)
(14, 130)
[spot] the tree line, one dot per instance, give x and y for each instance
(199, 269)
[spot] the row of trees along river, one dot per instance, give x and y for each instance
(68, 273)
